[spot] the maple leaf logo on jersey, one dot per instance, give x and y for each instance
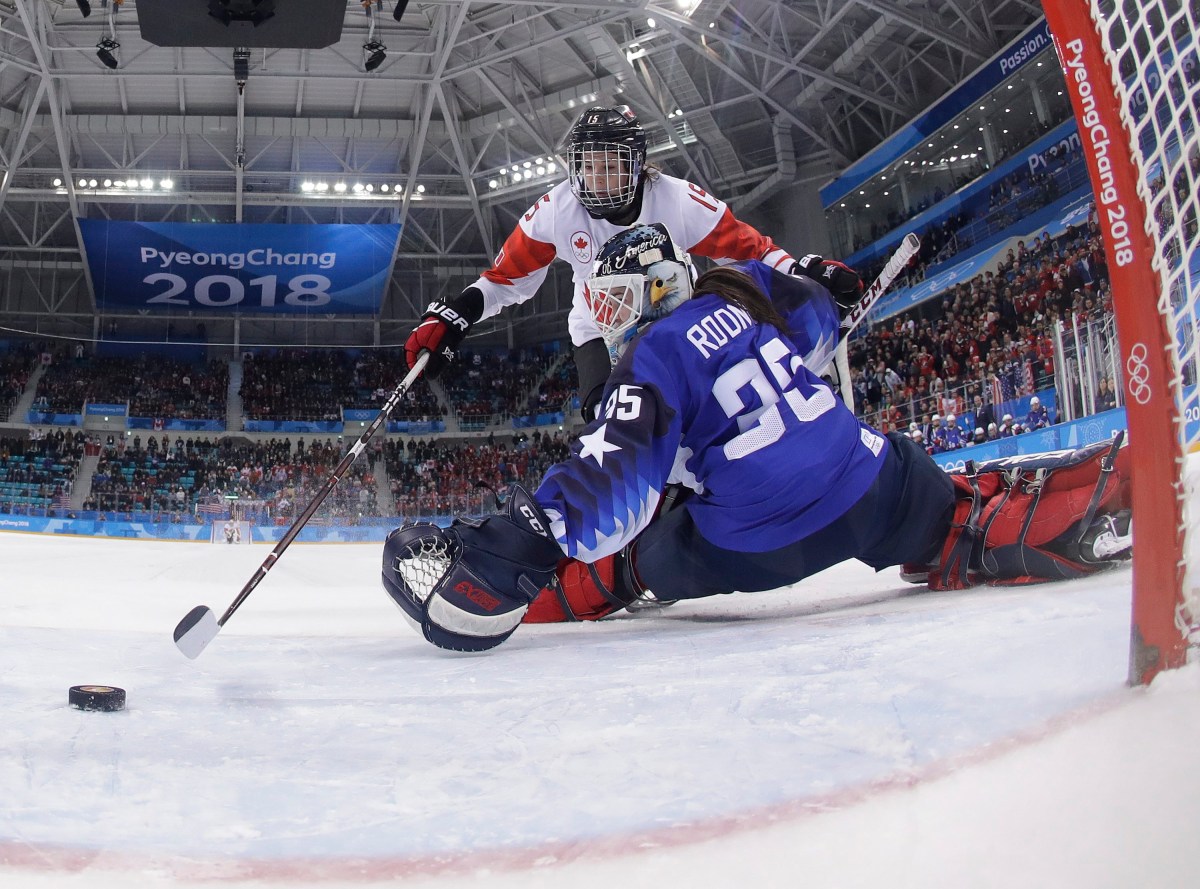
(581, 246)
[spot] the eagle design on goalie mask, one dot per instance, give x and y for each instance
(640, 275)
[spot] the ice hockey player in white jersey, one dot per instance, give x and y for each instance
(717, 390)
(609, 188)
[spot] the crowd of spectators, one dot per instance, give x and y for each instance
(37, 473)
(489, 386)
(314, 385)
(441, 478)
(295, 384)
(16, 366)
(152, 385)
(376, 375)
(985, 341)
(270, 480)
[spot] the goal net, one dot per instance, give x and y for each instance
(230, 532)
(1133, 75)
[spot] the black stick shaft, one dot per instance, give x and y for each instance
(330, 484)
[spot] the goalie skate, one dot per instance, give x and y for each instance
(1108, 539)
(645, 602)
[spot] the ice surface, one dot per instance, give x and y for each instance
(848, 731)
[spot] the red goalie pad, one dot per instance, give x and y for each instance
(580, 592)
(1027, 520)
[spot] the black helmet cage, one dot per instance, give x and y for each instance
(605, 153)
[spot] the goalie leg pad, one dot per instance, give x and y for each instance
(583, 591)
(1034, 519)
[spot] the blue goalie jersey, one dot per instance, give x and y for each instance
(731, 408)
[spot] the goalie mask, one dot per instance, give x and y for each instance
(605, 152)
(640, 276)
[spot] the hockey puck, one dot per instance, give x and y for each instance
(97, 697)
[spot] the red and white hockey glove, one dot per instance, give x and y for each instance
(836, 277)
(442, 328)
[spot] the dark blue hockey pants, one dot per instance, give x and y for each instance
(903, 517)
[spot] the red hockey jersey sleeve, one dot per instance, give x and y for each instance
(731, 240)
(520, 267)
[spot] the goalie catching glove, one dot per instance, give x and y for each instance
(442, 328)
(836, 277)
(467, 587)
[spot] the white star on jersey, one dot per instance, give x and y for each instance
(595, 446)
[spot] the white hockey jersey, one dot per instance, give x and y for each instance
(557, 225)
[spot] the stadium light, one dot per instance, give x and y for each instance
(375, 54)
(106, 52)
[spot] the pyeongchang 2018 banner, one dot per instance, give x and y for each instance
(278, 269)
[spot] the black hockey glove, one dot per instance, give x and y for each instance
(442, 328)
(836, 277)
(467, 587)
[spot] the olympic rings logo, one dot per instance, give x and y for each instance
(1139, 374)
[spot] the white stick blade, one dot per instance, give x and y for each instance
(196, 630)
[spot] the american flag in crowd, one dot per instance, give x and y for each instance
(1028, 375)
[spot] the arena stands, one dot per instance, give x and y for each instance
(440, 478)
(985, 342)
(17, 363)
(152, 385)
(36, 474)
(486, 388)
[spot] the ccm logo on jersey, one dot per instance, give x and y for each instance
(531, 517)
(481, 598)
(448, 315)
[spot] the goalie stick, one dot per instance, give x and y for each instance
(200, 625)
(895, 265)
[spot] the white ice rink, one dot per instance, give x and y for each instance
(850, 731)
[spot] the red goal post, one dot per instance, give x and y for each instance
(1131, 71)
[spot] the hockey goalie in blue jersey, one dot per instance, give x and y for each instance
(721, 461)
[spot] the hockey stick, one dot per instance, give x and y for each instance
(907, 250)
(200, 626)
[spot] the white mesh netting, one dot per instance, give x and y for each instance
(1152, 48)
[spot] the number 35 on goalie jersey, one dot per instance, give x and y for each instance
(730, 408)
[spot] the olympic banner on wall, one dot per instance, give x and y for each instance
(264, 268)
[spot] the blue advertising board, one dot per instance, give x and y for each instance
(267, 268)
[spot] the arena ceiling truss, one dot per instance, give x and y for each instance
(464, 104)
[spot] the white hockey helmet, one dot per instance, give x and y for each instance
(1034, 402)
(950, 419)
(640, 275)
